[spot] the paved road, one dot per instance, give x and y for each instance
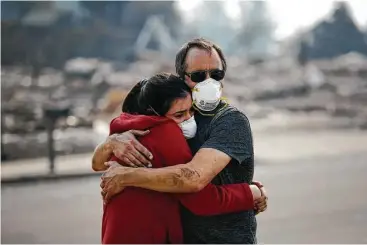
(312, 200)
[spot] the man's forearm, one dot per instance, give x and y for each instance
(175, 179)
(102, 154)
(181, 178)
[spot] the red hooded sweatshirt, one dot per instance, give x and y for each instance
(141, 216)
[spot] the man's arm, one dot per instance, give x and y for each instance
(211, 200)
(102, 154)
(230, 138)
(125, 147)
(182, 178)
(171, 149)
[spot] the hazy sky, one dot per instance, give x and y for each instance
(290, 15)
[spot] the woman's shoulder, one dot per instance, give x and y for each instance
(167, 132)
(125, 122)
(167, 143)
(167, 126)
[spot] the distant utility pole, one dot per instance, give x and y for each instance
(51, 114)
(3, 155)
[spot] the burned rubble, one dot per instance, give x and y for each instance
(94, 89)
(337, 88)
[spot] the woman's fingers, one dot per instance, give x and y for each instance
(261, 208)
(261, 204)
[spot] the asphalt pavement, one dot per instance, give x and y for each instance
(313, 198)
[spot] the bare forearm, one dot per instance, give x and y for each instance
(102, 154)
(181, 178)
(175, 179)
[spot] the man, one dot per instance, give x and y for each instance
(223, 151)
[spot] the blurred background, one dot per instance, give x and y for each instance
(298, 69)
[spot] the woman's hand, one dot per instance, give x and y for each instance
(256, 193)
(261, 204)
(112, 180)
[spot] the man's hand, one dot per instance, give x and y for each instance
(111, 183)
(129, 150)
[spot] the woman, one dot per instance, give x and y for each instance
(162, 104)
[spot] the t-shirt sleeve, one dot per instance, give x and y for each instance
(231, 134)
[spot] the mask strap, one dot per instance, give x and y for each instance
(152, 109)
(194, 90)
(224, 99)
(226, 103)
(198, 110)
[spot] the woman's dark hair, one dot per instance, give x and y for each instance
(155, 95)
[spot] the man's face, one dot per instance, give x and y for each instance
(201, 60)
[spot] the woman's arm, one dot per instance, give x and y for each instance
(214, 200)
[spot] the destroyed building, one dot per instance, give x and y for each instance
(95, 66)
(336, 35)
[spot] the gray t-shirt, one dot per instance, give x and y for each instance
(231, 134)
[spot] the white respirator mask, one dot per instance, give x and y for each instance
(189, 128)
(207, 94)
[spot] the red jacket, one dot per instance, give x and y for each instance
(141, 216)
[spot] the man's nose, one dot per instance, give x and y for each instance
(207, 75)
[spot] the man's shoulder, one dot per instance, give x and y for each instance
(230, 122)
(230, 113)
(230, 133)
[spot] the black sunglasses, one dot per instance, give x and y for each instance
(199, 76)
